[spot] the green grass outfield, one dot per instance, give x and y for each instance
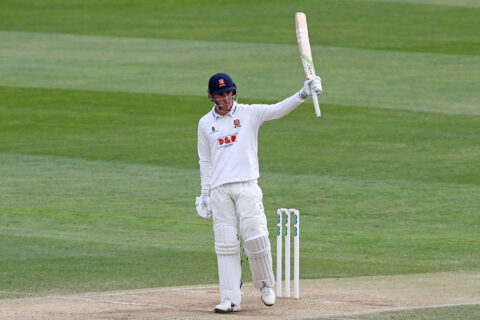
(445, 313)
(99, 104)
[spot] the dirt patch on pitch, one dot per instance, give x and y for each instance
(319, 298)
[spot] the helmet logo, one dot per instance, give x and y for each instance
(221, 83)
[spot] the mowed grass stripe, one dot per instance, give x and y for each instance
(453, 3)
(376, 144)
(102, 208)
(345, 23)
(354, 77)
(76, 192)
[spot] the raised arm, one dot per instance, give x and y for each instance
(282, 108)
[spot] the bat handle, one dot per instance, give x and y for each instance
(316, 105)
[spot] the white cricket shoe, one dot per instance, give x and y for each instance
(268, 296)
(227, 306)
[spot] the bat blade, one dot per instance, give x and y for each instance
(306, 53)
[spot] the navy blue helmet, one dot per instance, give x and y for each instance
(221, 82)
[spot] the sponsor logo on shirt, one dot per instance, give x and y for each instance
(227, 141)
(236, 123)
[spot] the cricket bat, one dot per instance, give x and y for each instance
(306, 53)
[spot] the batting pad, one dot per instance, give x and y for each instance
(227, 247)
(260, 259)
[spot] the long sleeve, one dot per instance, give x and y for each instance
(205, 158)
(279, 109)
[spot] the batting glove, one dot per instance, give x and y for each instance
(202, 204)
(314, 85)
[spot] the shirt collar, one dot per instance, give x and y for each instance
(231, 113)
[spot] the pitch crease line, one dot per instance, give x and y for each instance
(138, 304)
(191, 289)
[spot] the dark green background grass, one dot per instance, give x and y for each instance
(97, 188)
(360, 24)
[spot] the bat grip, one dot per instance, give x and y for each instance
(316, 105)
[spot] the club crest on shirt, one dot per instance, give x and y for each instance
(236, 123)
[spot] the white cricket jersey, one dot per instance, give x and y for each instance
(228, 145)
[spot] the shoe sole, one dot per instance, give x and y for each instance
(268, 305)
(233, 309)
(222, 311)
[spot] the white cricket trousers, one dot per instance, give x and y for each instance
(239, 205)
(237, 210)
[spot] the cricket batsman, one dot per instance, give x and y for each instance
(228, 158)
